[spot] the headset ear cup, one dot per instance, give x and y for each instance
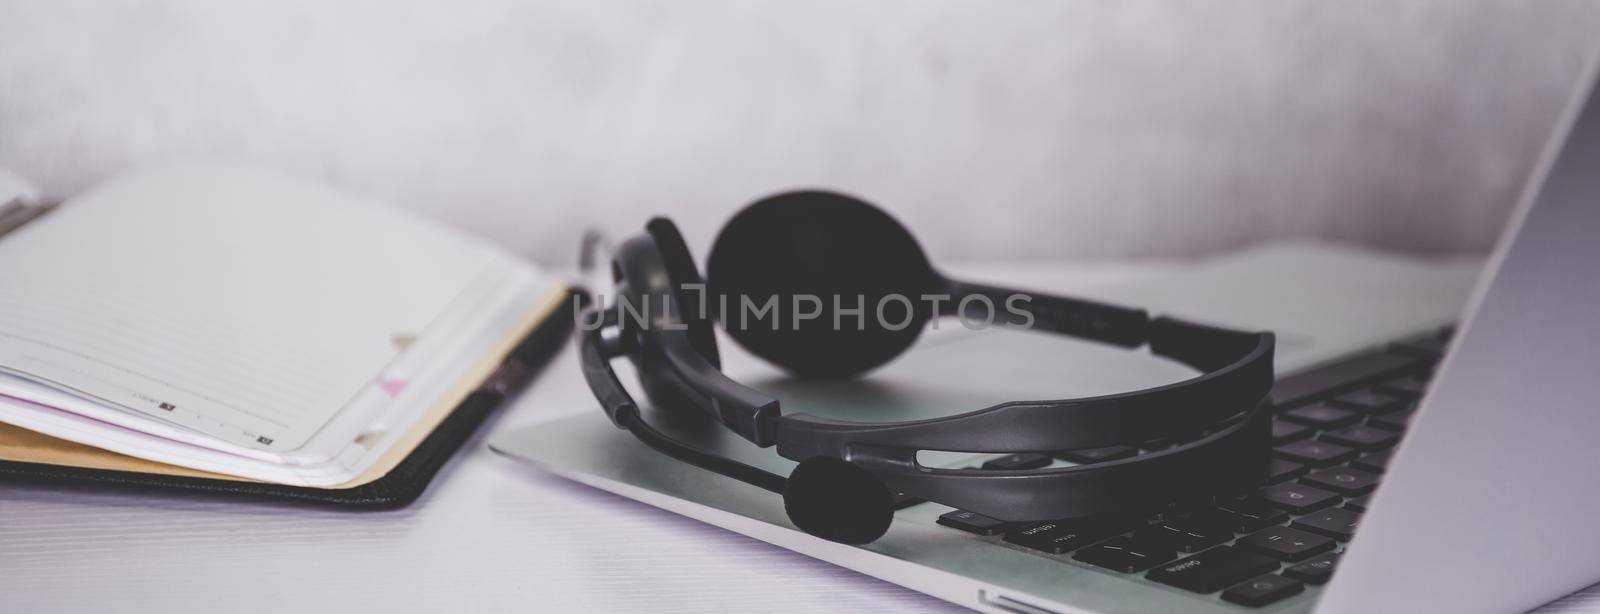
(838, 251)
(681, 268)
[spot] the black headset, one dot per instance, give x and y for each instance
(827, 245)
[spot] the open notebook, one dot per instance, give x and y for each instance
(228, 323)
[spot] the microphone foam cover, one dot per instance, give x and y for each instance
(838, 501)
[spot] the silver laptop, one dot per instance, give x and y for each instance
(1436, 441)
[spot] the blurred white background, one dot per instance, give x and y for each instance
(1021, 129)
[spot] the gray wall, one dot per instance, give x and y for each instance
(1061, 129)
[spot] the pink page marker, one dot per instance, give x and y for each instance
(393, 387)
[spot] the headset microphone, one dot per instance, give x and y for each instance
(836, 500)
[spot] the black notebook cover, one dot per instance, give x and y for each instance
(402, 485)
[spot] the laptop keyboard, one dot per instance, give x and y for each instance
(1333, 431)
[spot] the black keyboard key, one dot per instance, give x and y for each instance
(1263, 590)
(1362, 437)
(1322, 416)
(1359, 503)
(1185, 507)
(1315, 453)
(1031, 533)
(1285, 432)
(1343, 480)
(1298, 498)
(1375, 462)
(1192, 533)
(1127, 555)
(1393, 421)
(1279, 470)
(1367, 401)
(1058, 536)
(1213, 570)
(1316, 570)
(1252, 513)
(1028, 460)
(1335, 522)
(1287, 544)
(1405, 387)
(973, 522)
(1316, 383)
(1097, 455)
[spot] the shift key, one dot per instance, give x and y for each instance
(1213, 570)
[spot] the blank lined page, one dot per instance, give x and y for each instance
(241, 304)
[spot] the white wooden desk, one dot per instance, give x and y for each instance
(489, 535)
